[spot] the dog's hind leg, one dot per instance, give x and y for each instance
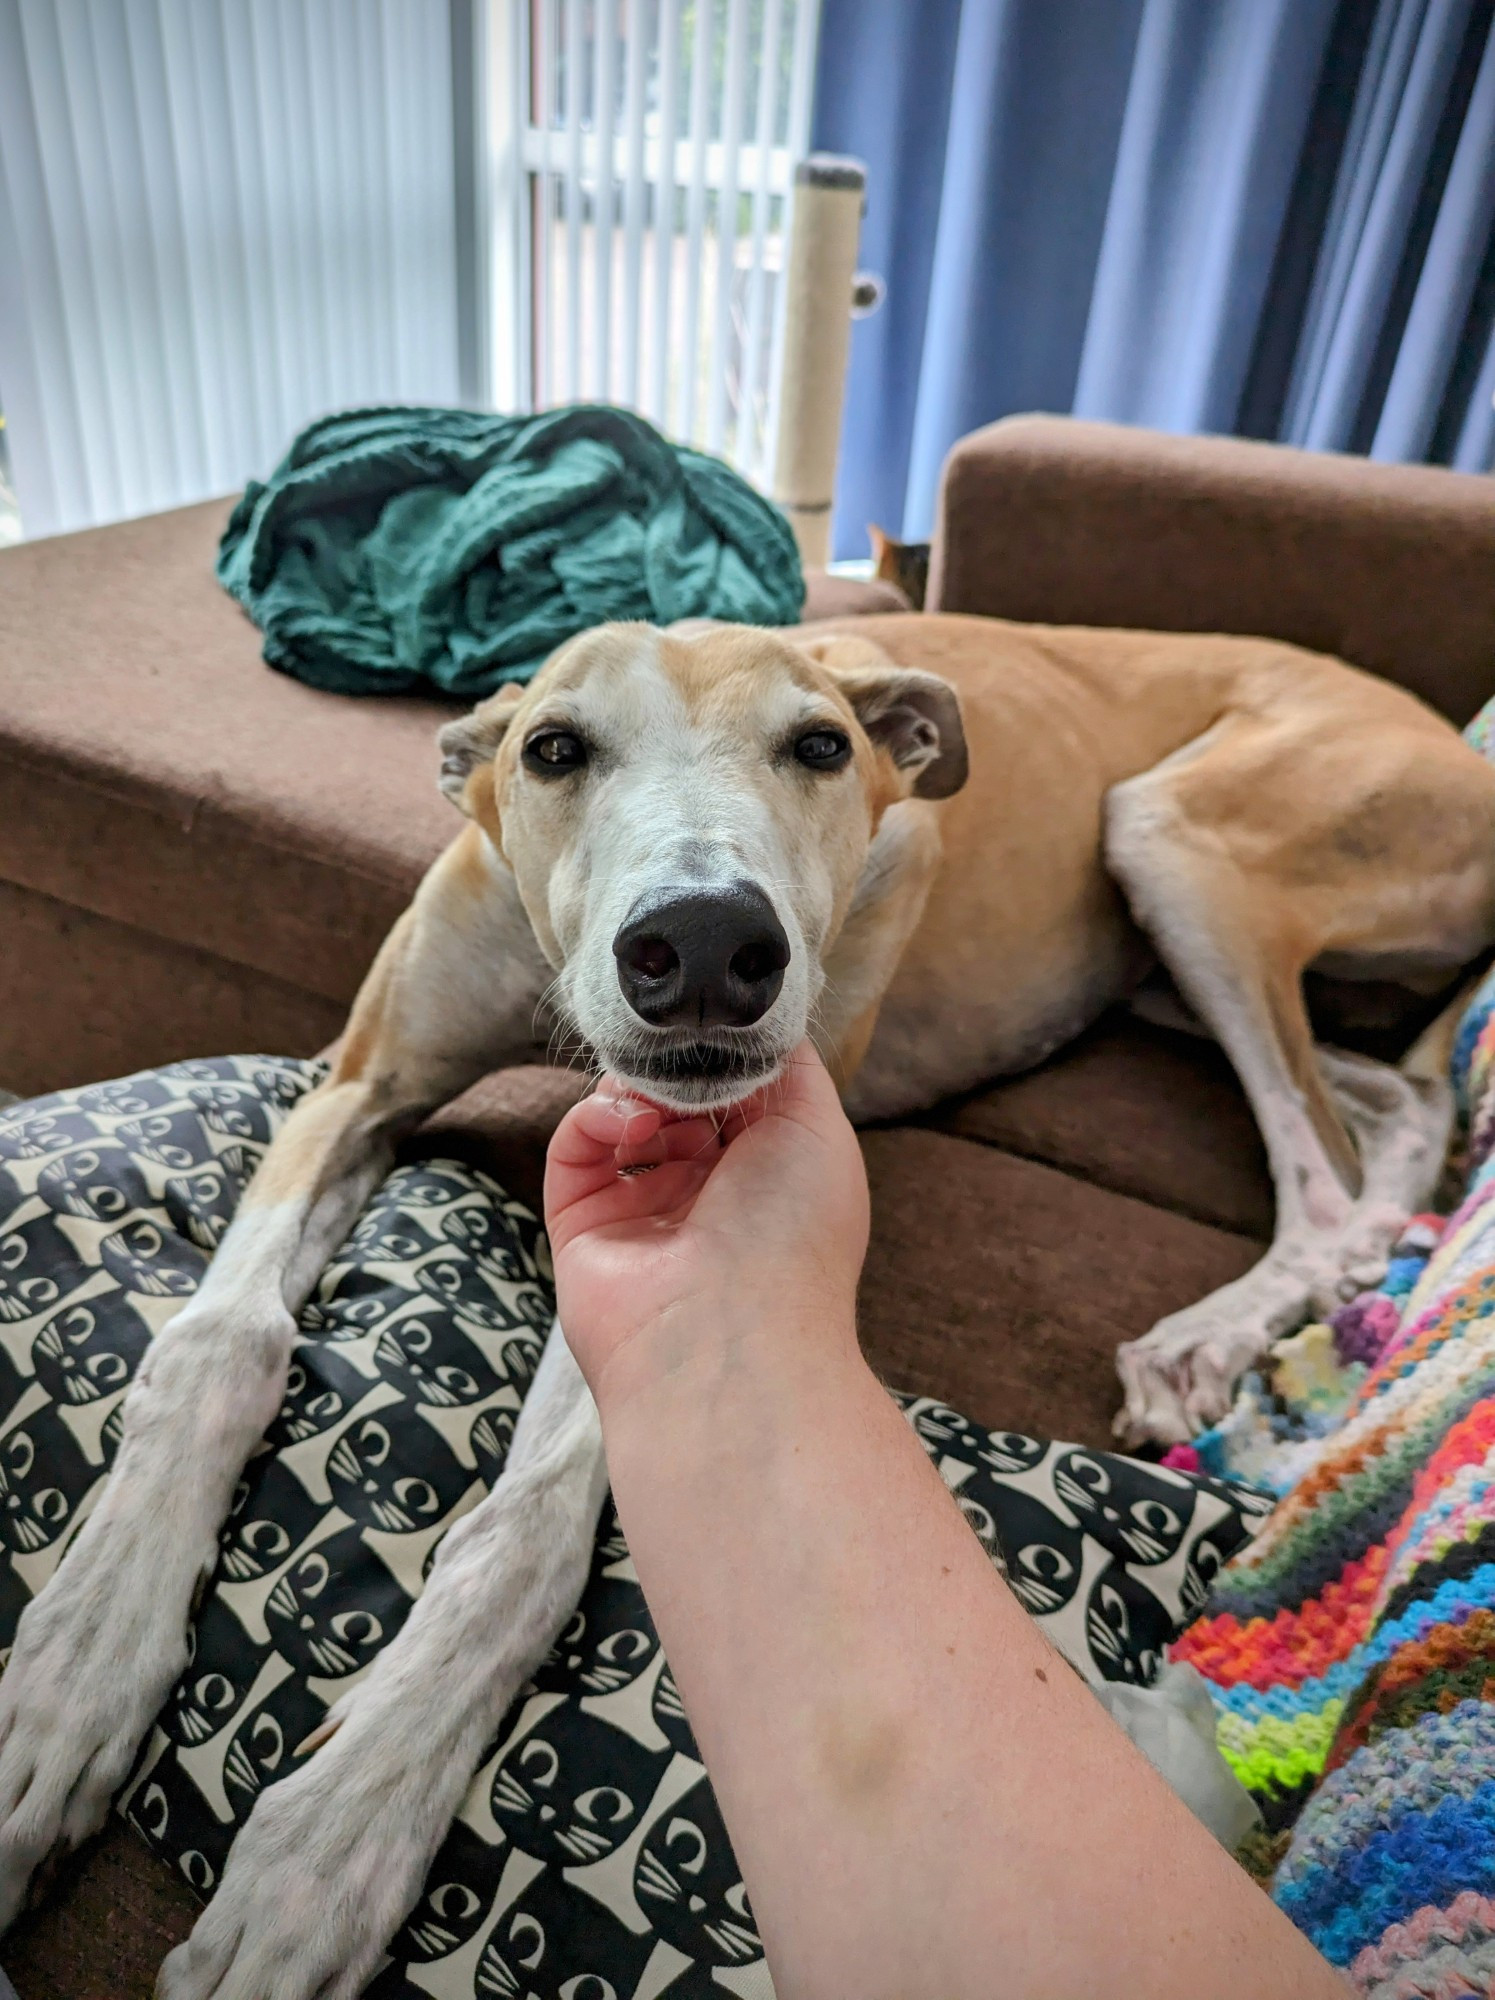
(1232, 863)
(333, 1857)
(97, 1651)
(1402, 1122)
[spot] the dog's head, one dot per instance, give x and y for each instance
(687, 818)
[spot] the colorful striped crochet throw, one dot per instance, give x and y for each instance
(1350, 1648)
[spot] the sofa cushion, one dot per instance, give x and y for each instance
(828, 596)
(1007, 1286)
(107, 1920)
(156, 772)
(1143, 1110)
(84, 996)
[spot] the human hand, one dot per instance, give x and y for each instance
(734, 1228)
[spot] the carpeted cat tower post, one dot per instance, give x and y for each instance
(829, 194)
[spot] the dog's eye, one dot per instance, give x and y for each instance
(553, 751)
(823, 749)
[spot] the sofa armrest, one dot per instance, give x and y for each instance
(828, 596)
(1060, 522)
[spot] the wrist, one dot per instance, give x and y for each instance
(703, 1362)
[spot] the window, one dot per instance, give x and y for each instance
(651, 154)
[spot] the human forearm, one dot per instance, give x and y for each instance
(876, 1709)
(925, 1801)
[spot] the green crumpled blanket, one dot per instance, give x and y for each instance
(392, 548)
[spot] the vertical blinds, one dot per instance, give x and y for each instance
(218, 220)
(657, 141)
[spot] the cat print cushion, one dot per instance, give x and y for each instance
(589, 1859)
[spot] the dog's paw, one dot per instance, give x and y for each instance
(95, 1655)
(1180, 1378)
(330, 1862)
(1361, 1255)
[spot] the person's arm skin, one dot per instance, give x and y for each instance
(925, 1801)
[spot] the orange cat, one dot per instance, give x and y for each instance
(903, 563)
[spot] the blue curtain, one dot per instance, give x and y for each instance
(1275, 217)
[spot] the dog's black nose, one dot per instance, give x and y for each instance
(713, 958)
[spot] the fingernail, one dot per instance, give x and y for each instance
(635, 1114)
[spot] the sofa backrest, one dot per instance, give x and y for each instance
(1062, 522)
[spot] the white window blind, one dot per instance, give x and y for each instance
(218, 220)
(221, 219)
(656, 142)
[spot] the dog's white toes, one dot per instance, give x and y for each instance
(19, 1861)
(1212, 1386)
(57, 1792)
(1366, 1279)
(1153, 1412)
(195, 1972)
(1364, 1252)
(330, 1862)
(94, 1657)
(223, 1966)
(1181, 1377)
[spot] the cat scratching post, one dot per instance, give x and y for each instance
(826, 224)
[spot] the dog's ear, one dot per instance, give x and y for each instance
(471, 742)
(916, 718)
(912, 715)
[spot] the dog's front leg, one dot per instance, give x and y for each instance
(99, 1649)
(97, 1652)
(333, 1857)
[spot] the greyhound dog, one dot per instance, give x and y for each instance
(695, 849)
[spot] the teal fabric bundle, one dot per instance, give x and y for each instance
(402, 547)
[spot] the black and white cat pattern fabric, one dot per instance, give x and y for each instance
(588, 1859)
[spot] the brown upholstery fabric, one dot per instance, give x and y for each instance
(1138, 1109)
(83, 997)
(1005, 1286)
(1389, 566)
(503, 1125)
(106, 1923)
(155, 771)
(848, 596)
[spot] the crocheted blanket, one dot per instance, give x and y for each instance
(1350, 1649)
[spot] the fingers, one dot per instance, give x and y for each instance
(628, 1201)
(808, 1087)
(615, 1118)
(681, 1139)
(614, 1132)
(602, 1134)
(803, 1094)
(593, 1172)
(584, 1151)
(802, 1087)
(582, 1160)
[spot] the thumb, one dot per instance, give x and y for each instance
(583, 1152)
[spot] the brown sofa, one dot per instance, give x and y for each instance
(197, 855)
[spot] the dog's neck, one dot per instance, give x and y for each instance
(885, 911)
